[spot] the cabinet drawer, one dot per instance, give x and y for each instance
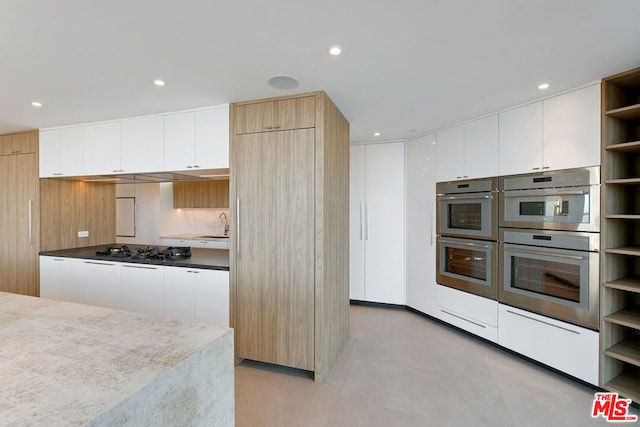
(295, 113)
(566, 347)
(471, 306)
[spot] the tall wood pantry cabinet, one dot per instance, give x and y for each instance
(289, 248)
(19, 213)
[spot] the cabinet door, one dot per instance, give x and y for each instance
(179, 294)
(212, 139)
(572, 129)
(420, 228)
(71, 148)
(450, 151)
(49, 145)
(481, 148)
(212, 296)
(50, 277)
(142, 145)
(179, 141)
(143, 289)
(101, 284)
(275, 248)
(356, 222)
(294, 113)
(101, 149)
(384, 223)
(520, 149)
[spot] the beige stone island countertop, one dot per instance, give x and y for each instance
(65, 364)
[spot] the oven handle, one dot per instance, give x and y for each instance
(466, 197)
(475, 245)
(526, 251)
(542, 321)
(538, 193)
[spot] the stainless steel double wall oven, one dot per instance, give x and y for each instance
(530, 241)
(466, 217)
(549, 243)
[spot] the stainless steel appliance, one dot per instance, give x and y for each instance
(553, 200)
(468, 265)
(554, 273)
(468, 209)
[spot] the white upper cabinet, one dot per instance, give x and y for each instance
(197, 139)
(161, 143)
(179, 141)
(558, 133)
(520, 149)
(572, 129)
(61, 152)
(142, 144)
(101, 149)
(468, 151)
(212, 138)
(450, 154)
(481, 147)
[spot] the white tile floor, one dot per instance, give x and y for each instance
(401, 369)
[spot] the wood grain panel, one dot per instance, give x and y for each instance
(71, 206)
(332, 235)
(276, 115)
(275, 276)
(19, 213)
(201, 194)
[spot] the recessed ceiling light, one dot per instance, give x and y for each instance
(158, 82)
(376, 134)
(543, 86)
(283, 82)
(335, 50)
(36, 104)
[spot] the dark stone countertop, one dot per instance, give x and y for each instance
(209, 259)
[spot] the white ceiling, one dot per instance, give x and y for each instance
(408, 67)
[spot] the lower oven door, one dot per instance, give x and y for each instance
(468, 265)
(558, 283)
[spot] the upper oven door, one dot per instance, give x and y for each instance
(571, 209)
(467, 214)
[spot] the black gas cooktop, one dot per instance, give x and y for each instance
(148, 252)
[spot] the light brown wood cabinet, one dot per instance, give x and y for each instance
(277, 115)
(19, 213)
(289, 237)
(201, 194)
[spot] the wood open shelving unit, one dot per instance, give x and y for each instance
(620, 234)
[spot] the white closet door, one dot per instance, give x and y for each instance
(420, 234)
(356, 222)
(384, 223)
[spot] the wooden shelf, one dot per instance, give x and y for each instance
(628, 317)
(630, 112)
(627, 351)
(627, 384)
(622, 216)
(624, 250)
(625, 147)
(629, 284)
(623, 181)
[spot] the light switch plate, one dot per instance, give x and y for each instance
(83, 233)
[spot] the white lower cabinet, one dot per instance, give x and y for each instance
(188, 294)
(101, 284)
(563, 346)
(143, 289)
(198, 295)
(57, 276)
(470, 312)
